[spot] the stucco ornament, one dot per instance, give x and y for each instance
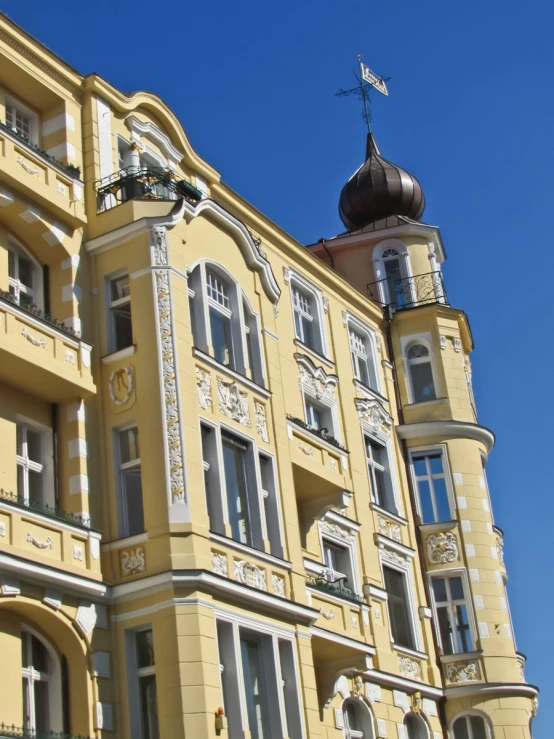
(86, 617)
(315, 379)
(442, 548)
(391, 555)
(170, 400)
(204, 385)
(249, 574)
(32, 339)
(278, 584)
(336, 530)
(462, 672)
(261, 420)
(132, 561)
(500, 549)
(122, 385)
(409, 668)
(46, 544)
(219, 564)
(233, 402)
(389, 529)
(372, 412)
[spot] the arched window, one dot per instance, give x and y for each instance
(363, 357)
(42, 689)
(357, 720)
(421, 372)
(415, 727)
(25, 279)
(471, 727)
(397, 286)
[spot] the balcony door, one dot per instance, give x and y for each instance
(397, 287)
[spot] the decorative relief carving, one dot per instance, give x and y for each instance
(204, 385)
(333, 463)
(391, 555)
(462, 672)
(336, 530)
(355, 623)
(417, 702)
(60, 187)
(27, 168)
(132, 561)
(233, 402)
(159, 245)
(171, 403)
(35, 342)
(305, 448)
(500, 549)
(389, 529)
(86, 617)
(121, 385)
(48, 544)
(77, 553)
(2, 529)
(372, 412)
(249, 574)
(315, 379)
(409, 668)
(219, 564)
(69, 356)
(329, 615)
(278, 584)
(442, 548)
(261, 420)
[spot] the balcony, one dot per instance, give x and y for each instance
(44, 509)
(409, 292)
(143, 183)
(41, 355)
(336, 588)
(17, 732)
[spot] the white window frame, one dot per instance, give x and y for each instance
(45, 466)
(386, 443)
(53, 680)
(113, 304)
(11, 102)
(369, 338)
(368, 731)
(297, 282)
(407, 571)
(327, 407)
(420, 721)
(122, 507)
(463, 714)
(200, 322)
(486, 483)
(447, 574)
(424, 450)
(134, 674)
(37, 293)
(405, 343)
(379, 267)
(236, 624)
(346, 543)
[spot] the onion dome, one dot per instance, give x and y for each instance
(379, 189)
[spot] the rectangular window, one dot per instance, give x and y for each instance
(338, 562)
(431, 483)
(18, 120)
(271, 505)
(211, 479)
(303, 317)
(30, 464)
(220, 320)
(120, 314)
(452, 615)
(319, 417)
(130, 483)
(255, 688)
(378, 465)
(362, 360)
(146, 677)
(236, 483)
(399, 607)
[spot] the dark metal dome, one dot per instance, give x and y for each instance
(379, 189)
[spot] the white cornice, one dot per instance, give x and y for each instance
(411, 686)
(443, 429)
(40, 574)
(155, 134)
(490, 689)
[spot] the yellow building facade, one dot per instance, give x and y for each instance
(242, 481)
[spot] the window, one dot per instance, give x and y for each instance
(120, 314)
(307, 322)
(421, 373)
(430, 478)
(379, 473)
(470, 727)
(319, 417)
(143, 693)
(41, 683)
(363, 360)
(338, 563)
(397, 287)
(356, 720)
(399, 608)
(130, 483)
(24, 277)
(220, 320)
(31, 464)
(21, 120)
(271, 505)
(253, 346)
(236, 484)
(485, 483)
(415, 727)
(451, 614)
(262, 673)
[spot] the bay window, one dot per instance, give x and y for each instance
(143, 702)
(471, 727)
(432, 485)
(451, 614)
(420, 371)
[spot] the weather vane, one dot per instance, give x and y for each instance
(366, 79)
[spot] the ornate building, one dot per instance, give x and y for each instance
(243, 488)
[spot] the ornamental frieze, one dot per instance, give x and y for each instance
(250, 574)
(314, 379)
(371, 412)
(462, 672)
(233, 402)
(442, 548)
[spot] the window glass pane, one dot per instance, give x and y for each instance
(132, 500)
(11, 263)
(149, 707)
(35, 486)
(34, 444)
(221, 337)
(122, 326)
(20, 481)
(145, 648)
(307, 332)
(424, 490)
(352, 718)
(256, 701)
(441, 499)
(439, 589)
(465, 643)
(237, 492)
(398, 607)
(478, 727)
(129, 445)
(460, 729)
(445, 629)
(26, 717)
(363, 373)
(456, 589)
(297, 325)
(39, 655)
(422, 382)
(120, 288)
(42, 720)
(435, 464)
(25, 272)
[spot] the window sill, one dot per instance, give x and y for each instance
(121, 354)
(415, 653)
(127, 541)
(438, 526)
(239, 547)
(314, 353)
(199, 354)
(384, 512)
(423, 403)
(460, 656)
(369, 391)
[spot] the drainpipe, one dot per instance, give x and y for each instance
(322, 242)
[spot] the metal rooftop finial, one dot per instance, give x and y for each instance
(366, 79)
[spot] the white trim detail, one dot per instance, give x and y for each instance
(443, 429)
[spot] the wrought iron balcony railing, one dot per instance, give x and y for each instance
(144, 183)
(71, 169)
(18, 732)
(32, 310)
(336, 588)
(409, 292)
(44, 509)
(321, 433)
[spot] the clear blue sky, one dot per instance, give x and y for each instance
(470, 113)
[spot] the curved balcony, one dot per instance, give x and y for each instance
(409, 292)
